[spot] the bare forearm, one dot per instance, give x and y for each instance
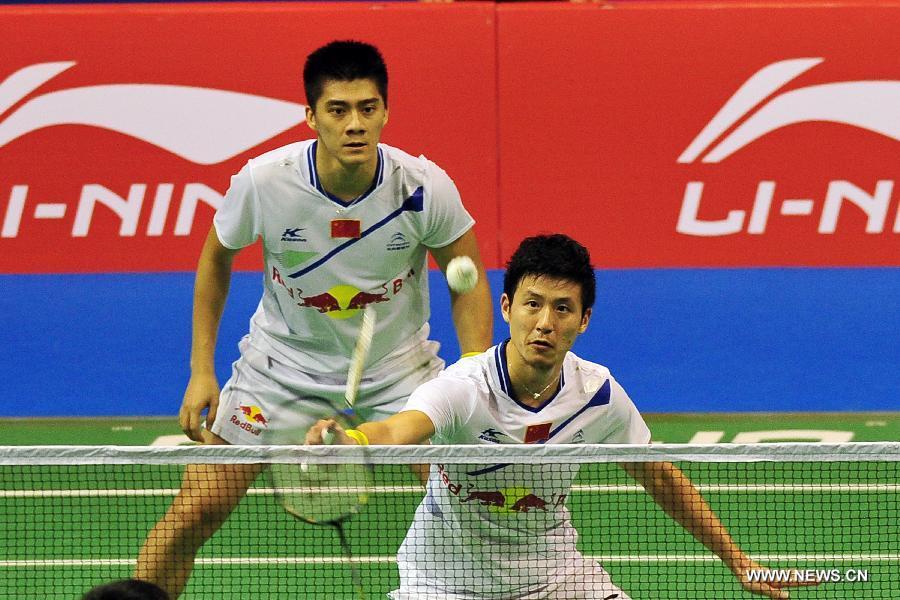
(472, 312)
(378, 434)
(472, 317)
(208, 307)
(210, 291)
(405, 427)
(678, 497)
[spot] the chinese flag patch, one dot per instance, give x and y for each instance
(536, 434)
(345, 228)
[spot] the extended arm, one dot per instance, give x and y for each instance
(472, 312)
(406, 427)
(677, 496)
(210, 290)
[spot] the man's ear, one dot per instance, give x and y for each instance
(310, 118)
(585, 319)
(504, 306)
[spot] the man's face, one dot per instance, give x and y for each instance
(348, 119)
(544, 317)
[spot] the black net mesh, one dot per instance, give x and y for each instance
(532, 527)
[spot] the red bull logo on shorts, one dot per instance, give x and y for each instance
(251, 419)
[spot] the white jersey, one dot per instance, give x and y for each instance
(326, 259)
(503, 531)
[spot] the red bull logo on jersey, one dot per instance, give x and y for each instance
(485, 498)
(343, 301)
(251, 419)
(509, 500)
(529, 502)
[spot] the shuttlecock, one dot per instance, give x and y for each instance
(462, 275)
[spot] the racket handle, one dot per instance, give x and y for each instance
(327, 437)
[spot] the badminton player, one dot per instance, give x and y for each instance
(345, 222)
(503, 531)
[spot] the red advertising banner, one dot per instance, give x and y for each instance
(698, 135)
(662, 134)
(120, 125)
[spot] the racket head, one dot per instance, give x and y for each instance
(329, 494)
(322, 494)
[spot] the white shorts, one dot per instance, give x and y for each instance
(585, 581)
(433, 564)
(265, 401)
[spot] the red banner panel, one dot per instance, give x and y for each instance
(120, 125)
(661, 134)
(701, 136)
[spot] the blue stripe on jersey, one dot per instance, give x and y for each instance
(380, 169)
(502, 375)
(414, 203)
(311, 163)
(601, 398)
(486, 470)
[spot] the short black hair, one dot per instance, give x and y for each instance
(555, 255)
(127, 589)
(343, 60)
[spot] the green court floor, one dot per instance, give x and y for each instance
(67, 528)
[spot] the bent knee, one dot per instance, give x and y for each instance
(191, 511)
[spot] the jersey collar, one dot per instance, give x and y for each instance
(316, 183)
(501, 370)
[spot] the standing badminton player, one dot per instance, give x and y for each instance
(345, 223)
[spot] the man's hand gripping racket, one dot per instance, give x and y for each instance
(332, 494)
